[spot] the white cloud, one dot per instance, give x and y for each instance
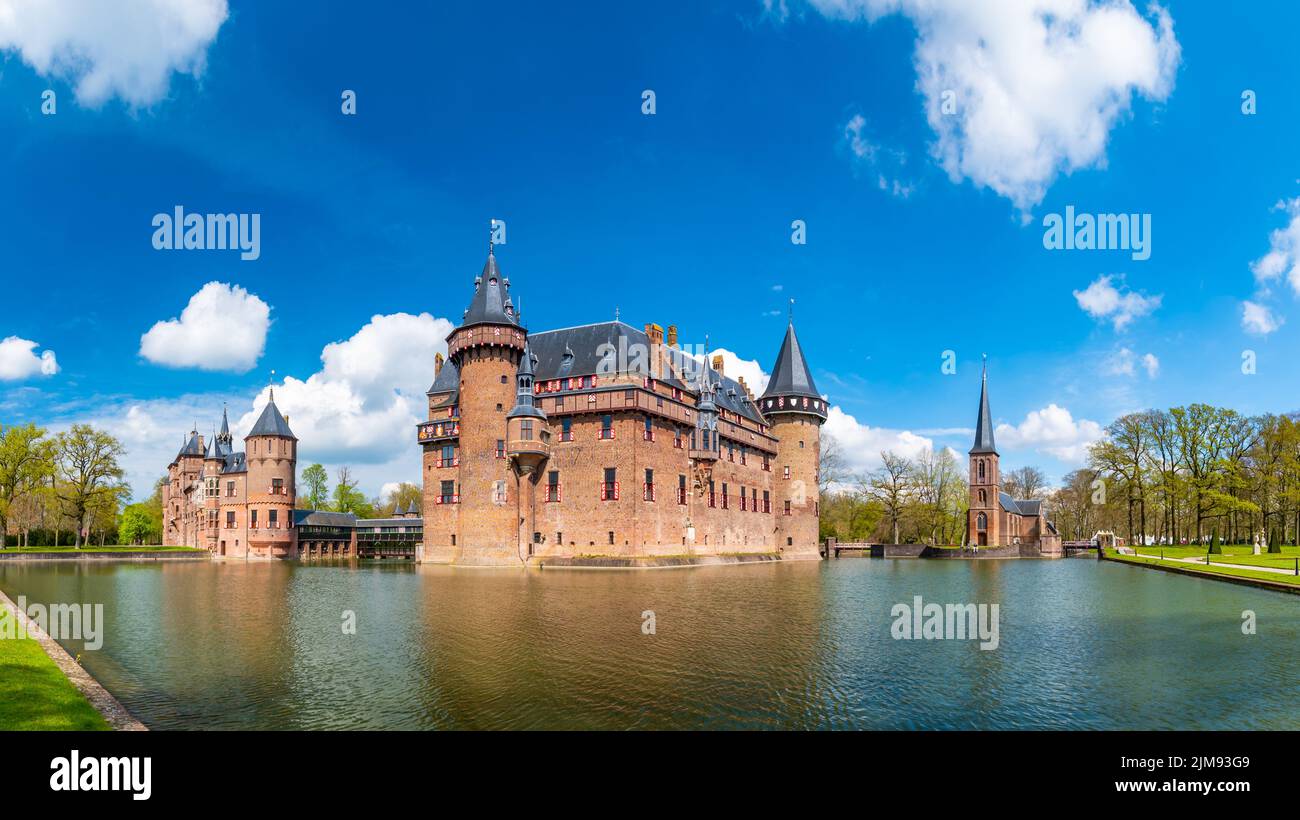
(1037, 84)
(222, 328)
(1150, 364)
(1051, 430)
(125, 48)
(861, 444)
(753, 373)
(1124, 362)
(153, 431)
(1102, 300)
(362, 406)
(359, 410)
(1283, 255)
(885, 163)
(18, 360)
(1258, 319)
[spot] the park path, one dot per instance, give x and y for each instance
(1201, 562)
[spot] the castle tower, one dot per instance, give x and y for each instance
(983, 524)
(210, 487)
(485, 350)
(796, 412)
(180, 519)
(271, 451)
(528, 444)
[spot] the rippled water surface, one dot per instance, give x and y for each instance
(806, 645)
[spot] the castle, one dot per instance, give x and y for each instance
(994, 517)
(608, 442)
(238, 505)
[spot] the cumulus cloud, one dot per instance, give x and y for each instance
(1258, 319)
(1020, 92)
(222, 328)
(1051, 430)
(125, 48)
(153, 431)
(18, 360)
(734, 366)
(1283, 255)
(1103, 300)
(362, 406)
(861, 444)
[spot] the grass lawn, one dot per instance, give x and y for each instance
(36, 694)
(110, 548)
(1239, 572)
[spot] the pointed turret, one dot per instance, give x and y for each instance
(795, 412)
(271, 422)
(524, 403)
(984, 423)
(791, 387)
(491, 304)
(705, 444)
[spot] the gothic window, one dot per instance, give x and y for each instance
(981, 469)
(981, 522)
(984, 497)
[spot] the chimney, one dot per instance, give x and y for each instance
(672, 335)
(655, 333)
(717, 365)
(437, 364)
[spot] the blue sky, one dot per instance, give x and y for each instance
(924, 228)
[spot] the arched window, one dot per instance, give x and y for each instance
(981, 469)
(984, 497)
(981, 522)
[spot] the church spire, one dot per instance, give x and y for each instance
(984, 423)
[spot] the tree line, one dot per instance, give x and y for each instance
(315, 492)
(68, 489)
(1185, 474)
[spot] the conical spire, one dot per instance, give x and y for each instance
(984, 424)
(491, 303)
(791, 386)
(524, 404)
(271, 423)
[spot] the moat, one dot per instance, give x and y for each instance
(807, 645)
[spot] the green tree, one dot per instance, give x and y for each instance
(347, 498)
(87, 469)
(317, 484)
(1215, 547)
(138, 526)
(26, 463)
(400, 499)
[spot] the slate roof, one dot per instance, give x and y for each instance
(1022, 506)
(575, 351)
(193, 447)
(447, 381)
(491, 303)
(790, 376)
(372, 522)
(984, 422)
(320, 518)
(524, 404)
(271, 423)
(235, 463)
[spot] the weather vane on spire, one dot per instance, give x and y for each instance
(492, 227)
(791, 310)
